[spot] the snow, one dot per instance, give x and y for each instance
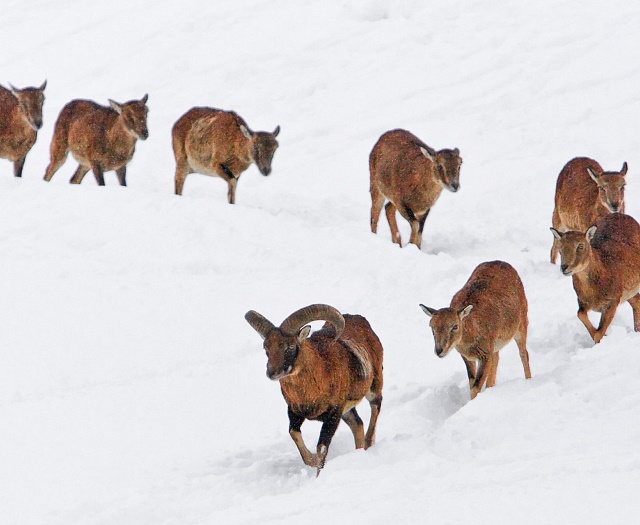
(131, 388)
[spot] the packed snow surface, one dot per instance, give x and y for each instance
(132, 391)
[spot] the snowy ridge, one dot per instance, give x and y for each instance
(132, 391)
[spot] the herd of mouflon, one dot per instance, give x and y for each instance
(325, 374)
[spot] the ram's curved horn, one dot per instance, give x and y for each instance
(260, 324)
(314, 312)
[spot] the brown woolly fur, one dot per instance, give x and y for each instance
(584, 194)
(489, 311)
(323, 377)
(220, 144)
(411, 176)
(100, 138)
(604, 264)
(20, 120)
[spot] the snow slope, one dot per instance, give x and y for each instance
(132, 391)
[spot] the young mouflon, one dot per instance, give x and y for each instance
(604, 264)
(489, 311)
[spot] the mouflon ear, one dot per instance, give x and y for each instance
(466, 311)
(114, 105)
(304, 333)
(595, 176)
(623, 171)
(556, 233)
(426, 153)
(245, 132)
(428, 311)
(591, 232)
